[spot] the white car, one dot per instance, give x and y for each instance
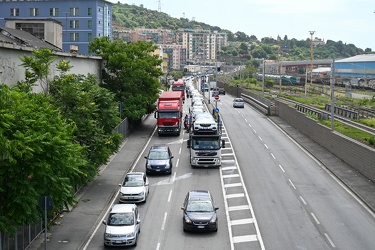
(123, 226)
(134, 188)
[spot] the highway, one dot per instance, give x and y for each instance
(271, 194)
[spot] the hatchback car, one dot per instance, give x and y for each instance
(134, 188)
(238, 103)
(122, 226)
(159, 160)
(199, 212)
(221, 91)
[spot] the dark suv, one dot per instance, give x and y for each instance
(199, 212)
(159, 159)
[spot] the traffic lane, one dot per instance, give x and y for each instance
(282, 220)
(328, 204)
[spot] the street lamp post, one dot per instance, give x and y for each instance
(311, 55)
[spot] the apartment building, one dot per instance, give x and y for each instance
(81, 21)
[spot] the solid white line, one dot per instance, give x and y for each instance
(169, 196)
(330, 241)
(303, 200)
(231, 175)
(291, 183)
(245, 238)
(236, 208)
(281, 168)
(273, 156)
(233, 185)
(164, 221)
(241, 222)
(240, 195)
(316, 219)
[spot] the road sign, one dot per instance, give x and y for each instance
(217, 97)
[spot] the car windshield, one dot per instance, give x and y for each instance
(158, 155)
(206, 143)
(199, 206)
(133, 181)
(238, 100)
(121, 219)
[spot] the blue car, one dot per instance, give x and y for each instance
(159, 160)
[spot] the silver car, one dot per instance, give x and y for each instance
(238, 103)
(123, 226)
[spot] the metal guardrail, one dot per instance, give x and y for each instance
(259, 105)
(345, 112)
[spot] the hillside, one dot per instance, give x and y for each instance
(240, 44)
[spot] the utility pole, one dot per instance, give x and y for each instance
(311, 55)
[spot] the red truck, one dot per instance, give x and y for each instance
(179, 85)
(169, 113)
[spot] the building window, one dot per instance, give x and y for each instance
(89, 24)
(89, 11)
(37, 29)
(74, 11)
(74, 37)
(98, 9)
(34, 12)
(74, 24)
(54, 11)
(14, 12)
(99, 21)
(89, 37)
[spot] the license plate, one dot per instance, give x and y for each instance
(200, 226)
(131, 198)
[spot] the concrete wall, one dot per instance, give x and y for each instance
(11, 71)
(357, 155)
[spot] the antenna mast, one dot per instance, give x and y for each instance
(159, 5)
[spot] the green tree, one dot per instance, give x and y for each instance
(39, 157)
(131, 73)
(94, 112)
(37, 68)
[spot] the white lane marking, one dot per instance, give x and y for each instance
(169, 196)
(177, 163)
(236, 208)
(303, 200)
(273, 156)
(228, 168)
(330, 241)
(266, 146)
(254, 131)
(173, 177)
(291, 183)
(164, 221)
(233, 185)
(158, 246)
(258, 236)
(180, 151)
(228, 154)
(231, 175)
(316, 219)
(250, 125)
(245, 238)
(281, 168)
(245, 120)
(240, 195)
(260, 138)
(241, 222)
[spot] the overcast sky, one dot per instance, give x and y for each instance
(348, 21)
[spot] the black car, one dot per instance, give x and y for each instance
(159, 159)
(221, 91)
(199, 212)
